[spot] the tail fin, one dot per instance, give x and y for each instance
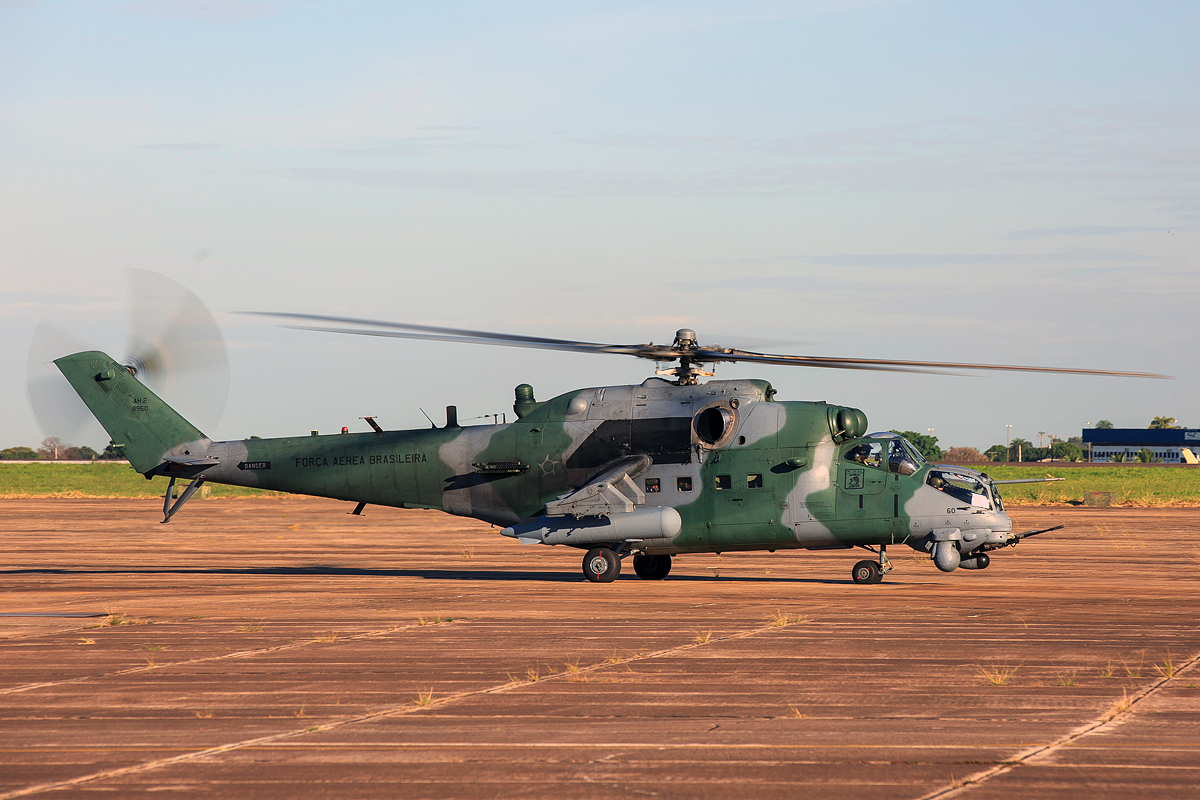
(134, 416)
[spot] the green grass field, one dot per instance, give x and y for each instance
(1131, 486)
(99, 479)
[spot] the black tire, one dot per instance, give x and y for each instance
(601, 565)
(867, 572)
(652, 568)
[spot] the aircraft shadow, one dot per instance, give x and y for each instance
(427, 574)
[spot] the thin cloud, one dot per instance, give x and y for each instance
(1085, 230)
(38, 305)
(182, 147)
(213, 10)
(1072, 255)
(417, 145)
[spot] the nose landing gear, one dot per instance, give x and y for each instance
(872, 571)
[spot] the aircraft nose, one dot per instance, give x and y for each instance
(1003, 522)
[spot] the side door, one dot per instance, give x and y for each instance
(864, 504)
(740, 482)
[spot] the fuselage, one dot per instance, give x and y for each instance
(744, 472)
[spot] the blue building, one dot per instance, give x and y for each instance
(1166, 444)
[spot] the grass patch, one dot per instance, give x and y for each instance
(1119, 707)
(1067, 679)
(424, 698)
(781, 619)
(702, 637)
(998, 675)
(327, 638)
(118, 620)
(795, 713)
(98, 479)
(1139, 487)
(1167, 668)
(1131, 486)
(1134, 672)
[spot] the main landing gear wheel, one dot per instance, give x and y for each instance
(867, 572)
(652, 568)
(601, 565)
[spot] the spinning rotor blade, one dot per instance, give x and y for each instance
(56, 406)
(676, 352)
(174, 347)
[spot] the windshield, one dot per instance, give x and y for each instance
(902, 457)
(996, 498)
(900, 460)
(966, 489)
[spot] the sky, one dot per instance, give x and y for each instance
(1013, 183)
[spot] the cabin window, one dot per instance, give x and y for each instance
(723, 482)
(652, 485)
(868, 453)
(683, 483)
(754, 481)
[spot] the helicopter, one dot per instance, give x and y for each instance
(669, 466)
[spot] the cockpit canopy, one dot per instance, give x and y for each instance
(888, 448)
(963, 487)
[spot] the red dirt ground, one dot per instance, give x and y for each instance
(285, 649)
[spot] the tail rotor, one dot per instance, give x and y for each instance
(173, 346)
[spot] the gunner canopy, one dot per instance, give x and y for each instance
(966, 489)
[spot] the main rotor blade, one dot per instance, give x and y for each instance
(867, 363)
(404, 330)
(516, 341)
(704, 355)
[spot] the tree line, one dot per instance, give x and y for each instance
(1018, 449)
(55, 449)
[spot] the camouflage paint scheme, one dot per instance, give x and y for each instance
(743, 471)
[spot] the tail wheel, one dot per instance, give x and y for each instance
(652, 568)
(867, 572)
(601, 565)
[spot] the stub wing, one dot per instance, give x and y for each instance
(612, 490)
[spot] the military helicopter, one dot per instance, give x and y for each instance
(672, 465)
